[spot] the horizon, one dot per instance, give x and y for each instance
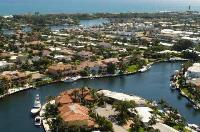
(8, 7)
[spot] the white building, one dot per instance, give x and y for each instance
(5, 64)
(193, 71)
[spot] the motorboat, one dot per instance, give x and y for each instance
(145, 68)
(172, 85)
(37, 105)
(71, 79)
(38, 121)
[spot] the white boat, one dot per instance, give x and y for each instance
(37, 105)
(172, 85)
(145, 68)
(38, 121)
(71, 79)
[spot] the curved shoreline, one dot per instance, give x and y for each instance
(88, 77)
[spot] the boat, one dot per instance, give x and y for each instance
(38, 121)
(37, 105)
(145, 68)
(71, 79)
(172, 85)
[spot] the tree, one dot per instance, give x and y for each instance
(111, 68)
(182, 45)
(104, 124)
(51, 111)
(122, 107)
(190, 55)
(5, 84)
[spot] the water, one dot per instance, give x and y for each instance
(153, 84)
(92, 6)
(83, 23)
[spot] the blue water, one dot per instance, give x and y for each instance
(92, 6)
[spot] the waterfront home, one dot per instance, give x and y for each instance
(95, 67)
(122, 97)
(193, 71)
(74, 114)
(60, 70)
(36, 76)
(110, 60)
(15, 78)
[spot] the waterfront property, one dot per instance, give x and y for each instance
(74, 111)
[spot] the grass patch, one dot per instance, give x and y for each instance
(185, 90)
(132, 68)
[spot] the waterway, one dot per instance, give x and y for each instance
(153, 84)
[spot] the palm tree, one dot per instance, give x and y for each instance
(122, 107)
(75, 93)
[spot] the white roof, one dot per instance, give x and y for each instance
(144, 113)
(168, 51)
(164, 128)
(3, 63)
(122, 96)
(166, 44)
(194, 68)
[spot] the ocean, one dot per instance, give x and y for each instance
(8, 7)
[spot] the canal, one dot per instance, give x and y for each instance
(153, 84)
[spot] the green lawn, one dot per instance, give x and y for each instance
(132, 68)
(185, 90)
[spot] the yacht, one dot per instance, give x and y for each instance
(145, 68)
(37, 105)
(71, 79)
(38, 121)
(172, 85)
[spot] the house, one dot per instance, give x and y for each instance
(5, 64)
(63, 98)
(60, 70)
(46, 53)
(35, 58)
(110, 60)
(105, 45)
(193, 71)
(85, 54)
(122, 97)
(35, 77)
(16, 78)
(74, 114)
(22, 58)
(63, 57)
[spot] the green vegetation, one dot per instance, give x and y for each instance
(122, 107)
(183, 45)
(132, 68)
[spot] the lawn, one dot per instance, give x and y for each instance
(132, 68)
(185, 90)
